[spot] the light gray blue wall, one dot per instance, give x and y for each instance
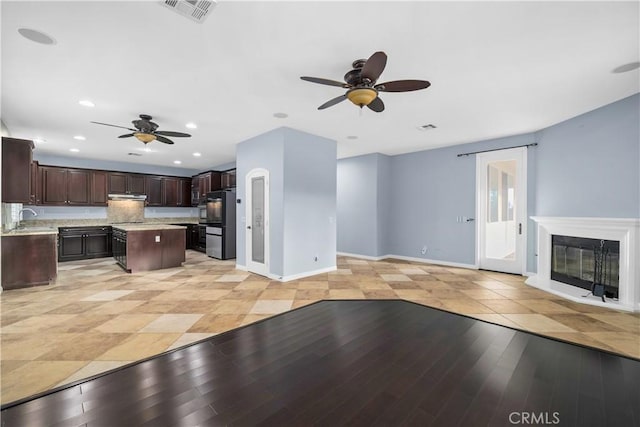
(430, 189)
(263, 151)
(363, 204)
(302, 212)
(78, 162)
(309, 202)
(358, 207)
(585, 166)
(589, 166)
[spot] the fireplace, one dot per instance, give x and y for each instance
(573, 261)
(566, 262)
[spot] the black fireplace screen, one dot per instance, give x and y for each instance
(573, 262)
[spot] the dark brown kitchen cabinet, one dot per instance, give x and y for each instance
(207, 182)
(16, 170)
(76, 243)
(171, 191)
(62, 186)
(28, 260)
(154, 190)
(125, 183)
(98, 188)
(184, 192)
(78, 186)
(34, 198)
(228, 179)
(177, 191)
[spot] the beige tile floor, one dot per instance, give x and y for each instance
(96, 317)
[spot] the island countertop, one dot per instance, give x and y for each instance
(147, 227)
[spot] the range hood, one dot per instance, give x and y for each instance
(141, 197)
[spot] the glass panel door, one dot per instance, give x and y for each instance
(501, 210)
(257, 220)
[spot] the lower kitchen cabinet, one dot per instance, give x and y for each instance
(28, 260)
(83, 243)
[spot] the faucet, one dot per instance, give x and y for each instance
(20, 216)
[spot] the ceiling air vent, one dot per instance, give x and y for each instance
(196, 10)
(135, 154)
(426, 127)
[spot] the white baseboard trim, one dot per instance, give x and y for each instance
(367, 257)
(529, 273)
(292, 276)
(407, 258)
(434, 261)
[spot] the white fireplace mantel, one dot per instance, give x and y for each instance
(624, 230)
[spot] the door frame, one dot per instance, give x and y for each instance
(522, 216)
(254, 267)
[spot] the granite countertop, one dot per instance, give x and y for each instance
(143, 227)
(99, 222)
(30, 231)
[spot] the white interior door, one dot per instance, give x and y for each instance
(501, 190)
(257, 221)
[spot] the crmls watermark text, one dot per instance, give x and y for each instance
(534, 418)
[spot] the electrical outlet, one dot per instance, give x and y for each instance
(423, 250)
(157, 239)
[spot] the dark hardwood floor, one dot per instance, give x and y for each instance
(370, 363)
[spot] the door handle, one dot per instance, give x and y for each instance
(248, 227)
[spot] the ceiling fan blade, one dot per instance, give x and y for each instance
(333, 101)
(374, 66)
(325, 82)
(126, 135)
(171, 133)
(163, 139)
(376, 105)
(402, 85)
(115, 126)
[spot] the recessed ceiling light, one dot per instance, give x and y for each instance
(79, 138)
(280, 115)
(39, 140)
(86, 103)
(74, 150)
(191, 125)
(177, 162)
(626, 67)
(352, 137)
(197, 154)
(36, 36)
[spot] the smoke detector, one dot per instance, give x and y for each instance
(196, 10)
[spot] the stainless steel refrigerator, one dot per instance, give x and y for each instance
(221, 230)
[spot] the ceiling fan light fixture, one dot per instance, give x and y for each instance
(144, 137)
(362, 96)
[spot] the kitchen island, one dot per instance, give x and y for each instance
(144, 247)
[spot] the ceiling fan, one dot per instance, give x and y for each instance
(361, 82)
(145, 131)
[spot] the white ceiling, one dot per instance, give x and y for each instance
(496, 69)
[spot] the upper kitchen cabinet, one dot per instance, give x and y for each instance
(184, 192)
(34, 198)
(125, 183)
(63, 186)
(154, 187)
(16, 170)
(228, 179)
(99, 188)
(208, 181)
(171, 191)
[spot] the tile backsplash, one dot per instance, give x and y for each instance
(119, 211)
